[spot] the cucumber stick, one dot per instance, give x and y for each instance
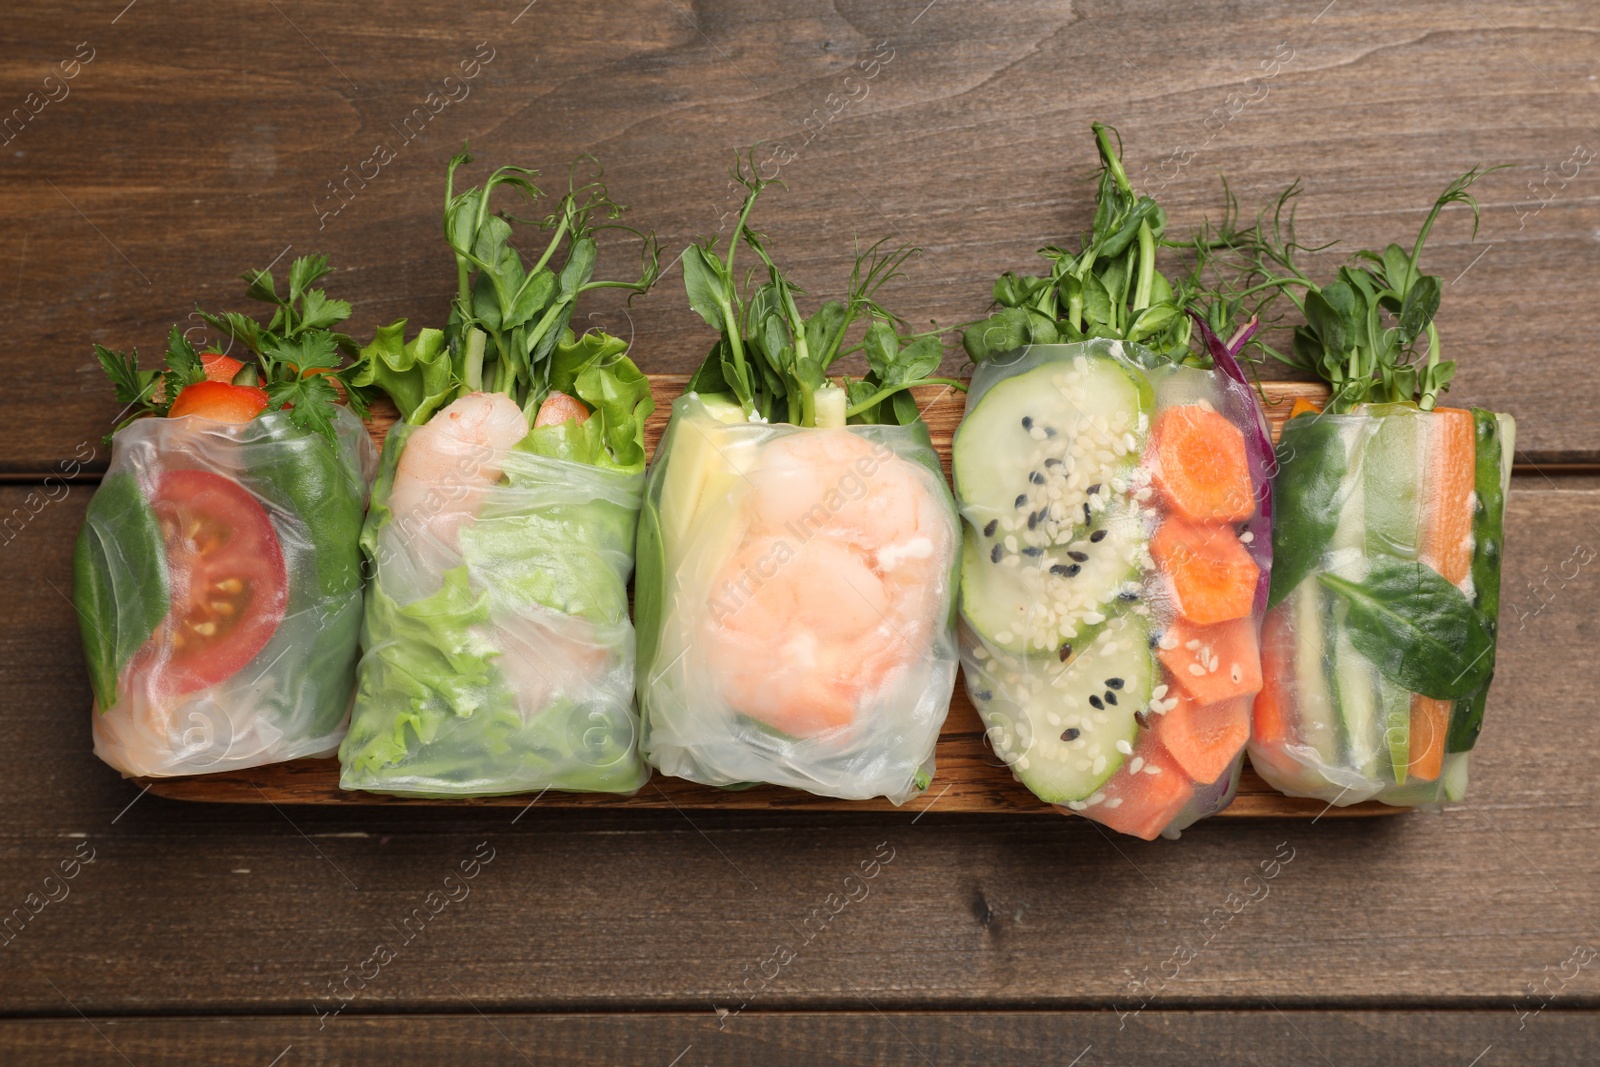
(1496, 439)
(1354, 680)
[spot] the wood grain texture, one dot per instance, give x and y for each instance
(202, 140)
(152, 185)
(255, 908)
(859, 1038)
(969, 778)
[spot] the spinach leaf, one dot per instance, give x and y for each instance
(1311, 468)
(1416, 628)
(119, 580)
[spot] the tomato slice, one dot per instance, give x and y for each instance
(219, 401)
(229, 586)
(220, 368)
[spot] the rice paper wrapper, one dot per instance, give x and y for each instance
(498, 652)
(795, 602)
(1381, 494)
(218, 580)
(1118, 553)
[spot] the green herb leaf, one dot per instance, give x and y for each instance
(1420, 305)
(1418, 630)
(1306, 503)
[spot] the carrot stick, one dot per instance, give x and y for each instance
(1445, 544)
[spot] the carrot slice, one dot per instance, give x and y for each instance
(1224, 662)
(1445, 544)
(1302, 406)
(557, 408)
(1200, 466)
(1213, 578)
(1204, 739)
(1144, 802)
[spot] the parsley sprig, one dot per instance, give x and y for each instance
(296, 354)
(298, 351)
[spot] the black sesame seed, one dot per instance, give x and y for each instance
(1087, 516)
(1111, 698)
(1093, 489)
(1022, 500)
(1059, 570)
(1037, 477)
(1069, 734)
(1073, 569)
(1033, 519)
(1033, 551)
(1096, 537)
(1064, 652)
(1027, 422)
(1052, 462)
(1129, 597)
(1115, 683)
(991, 527)
(1097, 703)
(1155, 640)
(1049, 431)
(1081, 557)
(984, 695)
(1142, 719)
(994, 555)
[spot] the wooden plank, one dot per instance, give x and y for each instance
(862, 1038)
(255, 909)
(977, 781)
(971, 141)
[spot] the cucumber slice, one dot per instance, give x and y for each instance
(1397, 727)
(1314, 705)
(1391, 489)
(1355, 686)
(1028, 598)
(1064, 730)
(1044, 439)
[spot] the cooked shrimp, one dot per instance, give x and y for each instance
(834, 587)
(450, 463)
(558, 407)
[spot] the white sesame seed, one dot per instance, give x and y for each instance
(1152, 769)
(1124, 748)
(1114, 802)
(1158, 692)
(1138, 762)
(1168, 643)
(1247, 537)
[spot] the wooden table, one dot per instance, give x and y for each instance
(193, 142)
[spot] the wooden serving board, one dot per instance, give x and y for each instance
(969, 776)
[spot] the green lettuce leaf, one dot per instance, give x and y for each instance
(429, 655)
(595, 368)
(417, 376)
